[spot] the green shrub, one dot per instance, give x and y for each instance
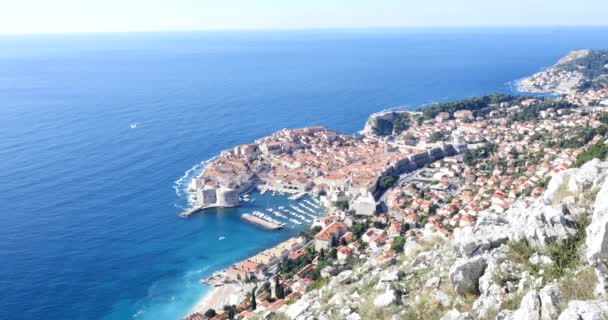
(513, 302)
(342, 205)
(318, 284)
(597, 150)
(520, 251)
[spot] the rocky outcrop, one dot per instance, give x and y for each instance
(539, 224)
(585, 310)
(536, 305)
(465, 274)
(597, 240)
(383, 123)
(550, 300)
(387, 298)
(490, 232)
(298, 308)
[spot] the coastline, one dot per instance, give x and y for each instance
(226, 291)
(216, 298)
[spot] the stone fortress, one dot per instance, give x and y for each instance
(209, 197)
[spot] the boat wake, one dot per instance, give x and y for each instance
(181, 185)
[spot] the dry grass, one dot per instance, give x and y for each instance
(579, 286)
(428, 245)
(562, 192)
(426, 308)
(367, 310)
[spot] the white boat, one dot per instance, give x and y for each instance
(221, 238)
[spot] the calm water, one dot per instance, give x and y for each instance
(88, 220)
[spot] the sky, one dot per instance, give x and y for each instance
(60, 16)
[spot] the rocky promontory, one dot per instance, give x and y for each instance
(388, 122)
(577, 71)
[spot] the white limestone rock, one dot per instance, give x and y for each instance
(530, 307)
(296, 309)
(539, 224)
(353, 316)
(411, 248)
(536, 305)
(539, 259)
(505, 315)
(550, 299)
(338, 299)
(490, 292)
(442, 298)
(389, 276)
(591, 174)
(585, 310)
(327, 271)
(456, 315)
(385, 299)
(555, 184)
(465, 274)
(489, 232)
(432, 283)
(343, 277)
(597, 240)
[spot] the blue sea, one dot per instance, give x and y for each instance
(89, 225)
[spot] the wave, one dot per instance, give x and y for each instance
(181, 185)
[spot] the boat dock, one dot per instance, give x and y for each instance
(297, 196)
(261, 222)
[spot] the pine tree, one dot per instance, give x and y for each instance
(278, 289)
(253, 302)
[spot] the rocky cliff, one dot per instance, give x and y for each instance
(387, 122)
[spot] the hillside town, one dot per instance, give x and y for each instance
(460, 214)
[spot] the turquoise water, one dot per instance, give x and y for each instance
(88, 222)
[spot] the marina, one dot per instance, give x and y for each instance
(296, 212)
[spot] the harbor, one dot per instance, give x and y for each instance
(300, 209)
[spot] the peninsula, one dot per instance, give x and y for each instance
(492, 207)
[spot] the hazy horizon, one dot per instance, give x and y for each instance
(429, 29)
(112, 16)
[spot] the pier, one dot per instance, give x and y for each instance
(261, 222)
(297, 196)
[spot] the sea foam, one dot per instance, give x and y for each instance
(181, 185)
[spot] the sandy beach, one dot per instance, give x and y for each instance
(218, 297)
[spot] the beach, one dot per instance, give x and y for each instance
(218, 297)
